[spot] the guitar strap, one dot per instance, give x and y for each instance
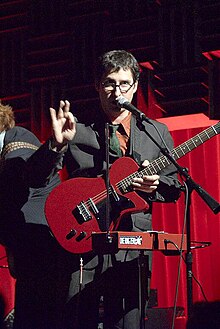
(13, 146)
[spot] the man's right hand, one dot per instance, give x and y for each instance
(63, 124)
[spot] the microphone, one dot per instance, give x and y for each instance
(123, 102)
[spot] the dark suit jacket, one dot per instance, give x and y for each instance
(26, 179)
(87, 157)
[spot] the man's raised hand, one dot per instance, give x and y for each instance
(63, 123)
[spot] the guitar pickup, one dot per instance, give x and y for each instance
(82, 213)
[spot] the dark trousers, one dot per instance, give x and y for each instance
(119, 287)
(43, 271)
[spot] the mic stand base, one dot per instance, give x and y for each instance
(143, 271)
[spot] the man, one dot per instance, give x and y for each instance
(114, 277)
(38, 263)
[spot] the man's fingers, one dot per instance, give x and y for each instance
(147, 179)
(147, 183)
(60, 113)
(145, 163)
(69, 116)
(66, 106)
(150, 179)
(53, 114)
(62, 104)
(63, 115)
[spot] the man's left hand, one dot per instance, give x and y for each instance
(147, 183)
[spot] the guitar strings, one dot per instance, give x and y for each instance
(150, 169)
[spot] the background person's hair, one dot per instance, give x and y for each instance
(113, 61)
(7, 119)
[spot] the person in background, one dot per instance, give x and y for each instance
(114, 277)
(36, 260)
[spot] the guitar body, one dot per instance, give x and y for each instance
(77, 207)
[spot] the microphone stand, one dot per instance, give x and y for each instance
(192, 186)
(107, 179)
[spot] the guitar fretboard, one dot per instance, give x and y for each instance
(162, 162)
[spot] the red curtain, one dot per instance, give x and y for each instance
(7, 285)
(203, 164)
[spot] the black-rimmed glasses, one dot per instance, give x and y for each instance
(110, 86)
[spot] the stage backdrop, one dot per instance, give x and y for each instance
(203, 164)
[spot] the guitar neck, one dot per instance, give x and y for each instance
(162, 162)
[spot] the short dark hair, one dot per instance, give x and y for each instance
(113, 61)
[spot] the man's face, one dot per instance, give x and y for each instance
(108, 97)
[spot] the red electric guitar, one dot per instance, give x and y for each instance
(77, 207)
